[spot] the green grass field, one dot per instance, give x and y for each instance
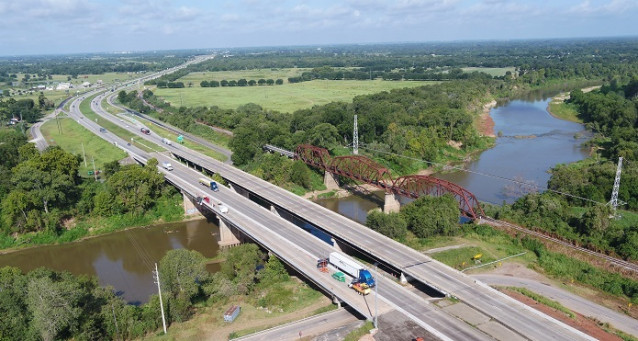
(74, 136)
(564, 111)
(188, 144)
(492, 71)
(283, 98)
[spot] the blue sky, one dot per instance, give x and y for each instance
(69, 26)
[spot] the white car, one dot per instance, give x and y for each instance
(223, 209)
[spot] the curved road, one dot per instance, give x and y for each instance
(571, 301)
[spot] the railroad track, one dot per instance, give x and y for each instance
(617, 262)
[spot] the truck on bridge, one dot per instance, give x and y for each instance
(345, 264)
(209, 183)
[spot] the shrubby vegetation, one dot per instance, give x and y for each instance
(48, 305)
(40, 191)
(424, 217)
(240, 82)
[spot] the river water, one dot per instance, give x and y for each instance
(123, 259)
(532, 142)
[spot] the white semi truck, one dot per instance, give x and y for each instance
(352, 268)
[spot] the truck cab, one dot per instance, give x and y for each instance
(366, 277)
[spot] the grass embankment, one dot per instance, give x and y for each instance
(361, 331)
(77, 140)
(494, 244)
(543, 300)
(167, 209)
(564, 111)
(284, 98)
(85, 108)
(208, 323)
(187, 143)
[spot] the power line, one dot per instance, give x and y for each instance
(483, 174)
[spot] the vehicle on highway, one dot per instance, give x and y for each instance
(360, 288)
(102, 130)
(209, 183)
(352, 268)
(166, 141)
(223, 208)
(339, 276)
(167, 166)
(145, 131)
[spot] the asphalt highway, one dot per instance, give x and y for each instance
(519, 318)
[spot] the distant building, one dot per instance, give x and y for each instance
(86, 84)
(63, 86)
(99, 82)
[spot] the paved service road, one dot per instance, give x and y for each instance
(571, 301)
(308, 327)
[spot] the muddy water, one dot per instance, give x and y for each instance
(532, 142)
(122, 259)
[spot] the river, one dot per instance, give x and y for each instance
(123, 259)
(532, 142)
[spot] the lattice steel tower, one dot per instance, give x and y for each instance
(355, 138)
(614, 194)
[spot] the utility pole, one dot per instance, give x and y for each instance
(614, 194)
(355, 138)
(84, 155)
(94, 173)
(376, 294)
(159, 290)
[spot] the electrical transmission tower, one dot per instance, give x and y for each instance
(614, 194)
(355, 138)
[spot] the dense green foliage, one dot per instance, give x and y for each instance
(40, 68)
(424, 217)
(26, 109)
(50, 305)
(38, 191)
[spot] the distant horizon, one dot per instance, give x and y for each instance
(57, 27)
(309, 45)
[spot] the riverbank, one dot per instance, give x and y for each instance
(168, 210)
(565, 111)
(485, 121)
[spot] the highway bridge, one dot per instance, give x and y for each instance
(300, 249)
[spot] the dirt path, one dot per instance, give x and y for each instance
(486, 123)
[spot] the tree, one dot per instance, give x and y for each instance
(270, 81)
(279, 81)
(240, 265)
(242, 82)
(273, 272)
(204, 84)
(391, 225)
(15, 318)
(53, 305)
(252, 82)
(183, 271)
(300, 174)
(429, 216)
(261, 81)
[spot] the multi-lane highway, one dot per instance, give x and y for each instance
(525, 321)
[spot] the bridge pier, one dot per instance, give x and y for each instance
(330, 180)
(275, 210)
(237, 189)
(189, 207)
(391, 203)
(336, 300)
(226, 236)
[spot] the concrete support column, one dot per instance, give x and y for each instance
(391, 203)
(238, 190)
(403, 280)
(335, 244)
(336, 301)
(330, 180)
(189, 208)
(226, 236)
(274, 210)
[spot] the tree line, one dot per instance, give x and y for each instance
(240, 82)
(51, 305)
(40, 190)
